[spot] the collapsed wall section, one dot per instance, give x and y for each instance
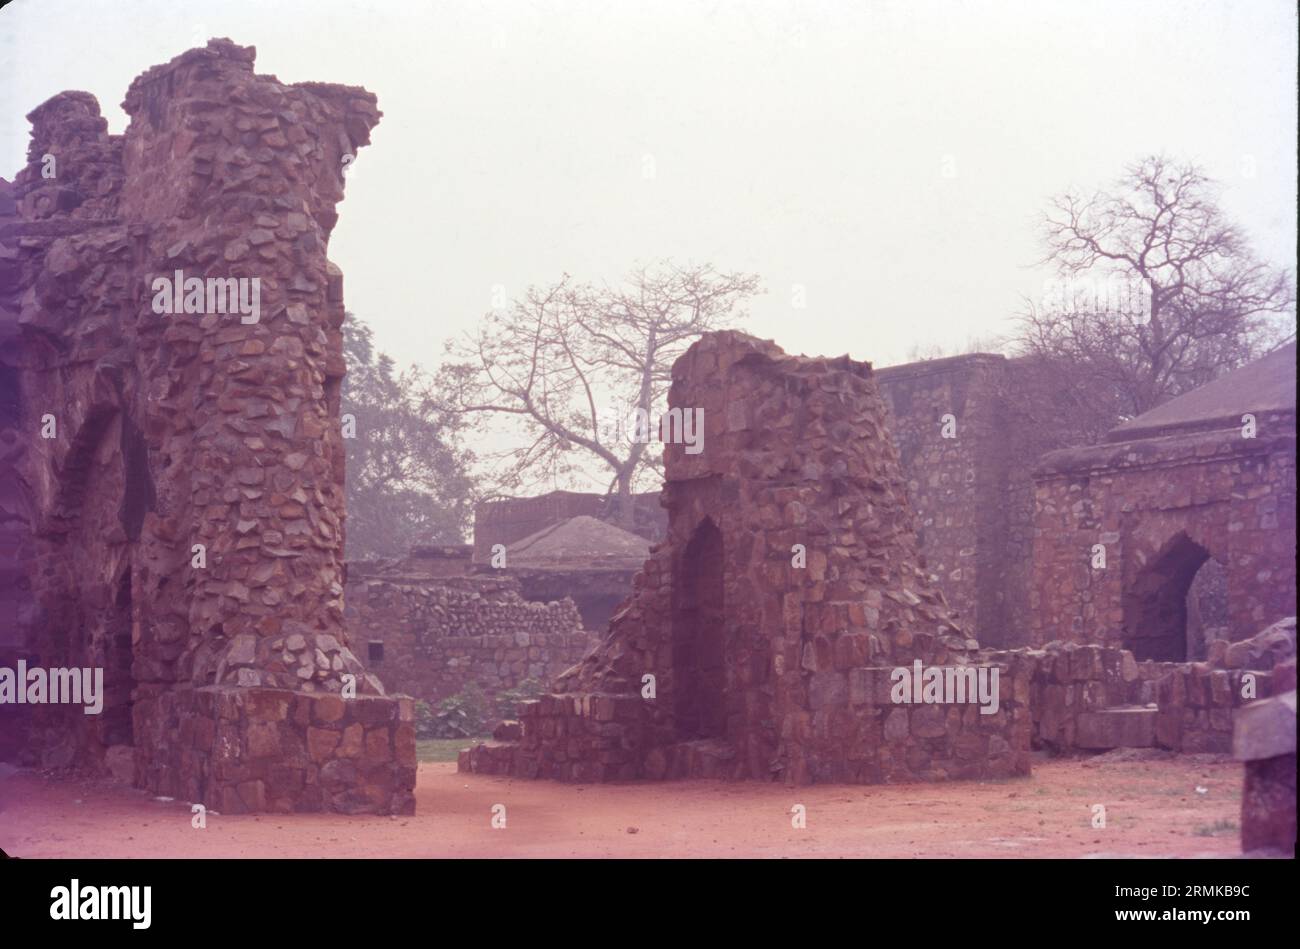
(762, 633)
(180, 324)
(959, 458)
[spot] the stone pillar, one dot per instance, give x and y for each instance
(205, 318)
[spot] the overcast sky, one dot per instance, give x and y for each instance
(806, 142)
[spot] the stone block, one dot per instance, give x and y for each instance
(1116, 728)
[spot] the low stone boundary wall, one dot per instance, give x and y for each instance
(1092, 698)
(439, 635)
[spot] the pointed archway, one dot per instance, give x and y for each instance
(699, 656)
(1155, 602)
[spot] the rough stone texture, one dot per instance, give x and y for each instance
(1091, 697)
(1162, 507)
(247, 750)
(972, 493)
(188, 429)
(1269, 647)
(440, 634)
(979, 505)
(1265, 739)
(764, 669)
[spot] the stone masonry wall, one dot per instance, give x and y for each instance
(1160, 507)
(958, 485)
(1094, 698)
(439, 635)
(193, 433)
(762, 667)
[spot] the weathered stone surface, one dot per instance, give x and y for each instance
(1268, 818)
(431, 636)
(1116, 728)
(1265, 729)
(789, 575)
(1264, 650)
(188, 511)
(1179, 500)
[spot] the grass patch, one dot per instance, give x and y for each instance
(442, 749)
(1218, 828)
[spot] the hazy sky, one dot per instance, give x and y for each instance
(806, 142)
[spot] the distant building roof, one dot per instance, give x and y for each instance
(579, 542)
(1265, 386)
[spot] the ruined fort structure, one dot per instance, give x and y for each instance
(187, 504)
(765, 669)
(762, 632)
(1207, 479)
(967, 468)
(428, 627)
(1197, 520)
(585, 559)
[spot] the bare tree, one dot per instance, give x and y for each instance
(572, 362)
(1159, 293)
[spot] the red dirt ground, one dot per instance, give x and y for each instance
(1152, 810)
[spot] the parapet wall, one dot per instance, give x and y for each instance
(185, 469)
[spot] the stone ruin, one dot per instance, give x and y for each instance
(766, 668)
(1198, 522)
(429, 628)
(172, 497)
(788, 588)
(1204, 481)
(182, 506)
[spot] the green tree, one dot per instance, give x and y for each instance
(407, 480)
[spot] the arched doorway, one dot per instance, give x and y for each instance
(699, 657)
(1155, 602)
(1207, 609)
(119, 681)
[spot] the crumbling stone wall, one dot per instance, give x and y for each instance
(762, 667)
(435, 636)
(17, 543)
(969, 485)
(1095, 698)
(1161, 507)
(197, 433)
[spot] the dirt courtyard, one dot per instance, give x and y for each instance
(1173, 807)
